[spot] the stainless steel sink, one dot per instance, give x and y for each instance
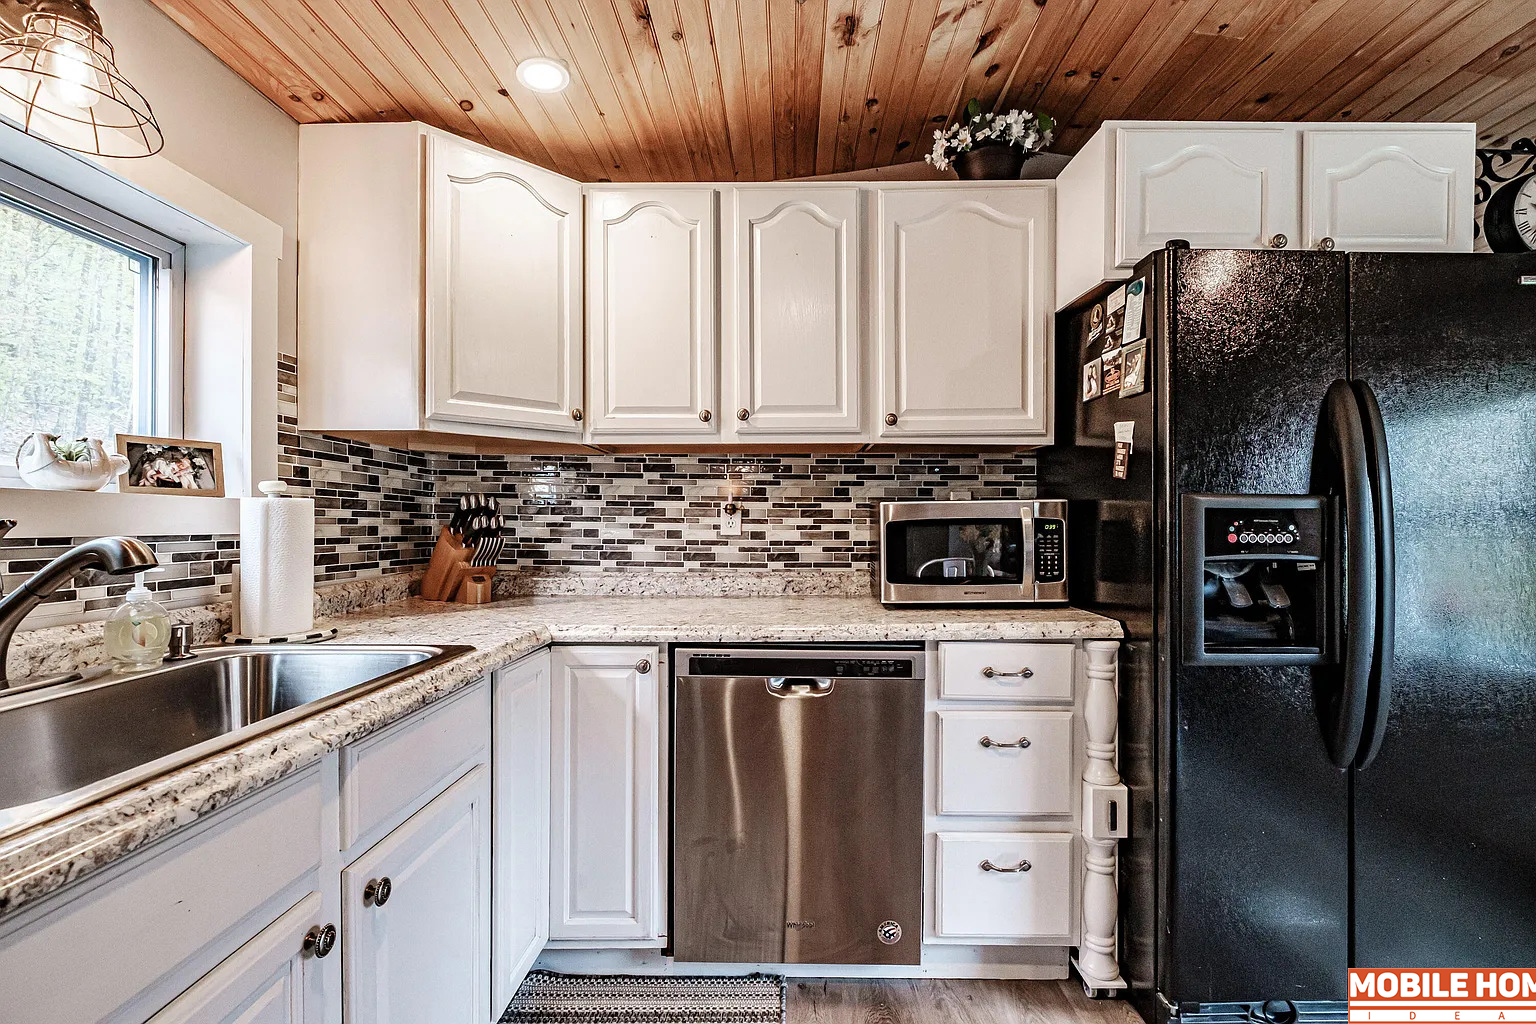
(66, 745)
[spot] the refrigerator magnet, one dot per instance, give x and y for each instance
(1135, 298)
(1133, 369)
(1093, 385)
(1109, 376)
(1115, 301)
(1095, 321)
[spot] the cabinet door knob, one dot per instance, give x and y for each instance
(1279, 242)
(1325, 243)
(706, 415)
(643, 666)
(576, 415)
(377, 891)
(1022, 865)
(890, 419)
(743, 414)
(319, 941)
(1024, 673)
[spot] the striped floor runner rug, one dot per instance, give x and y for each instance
(547, 998)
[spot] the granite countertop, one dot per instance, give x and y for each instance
(36, 863)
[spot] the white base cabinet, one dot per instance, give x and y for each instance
(273, 979)
(605, 819)
(416, 918)
(1250, 185)
(520, 817)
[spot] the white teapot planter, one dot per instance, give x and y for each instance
(41, 466)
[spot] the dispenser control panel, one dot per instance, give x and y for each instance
(1264, 532)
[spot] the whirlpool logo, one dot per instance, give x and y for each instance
(799, 926)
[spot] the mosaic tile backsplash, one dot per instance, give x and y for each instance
(378, 511)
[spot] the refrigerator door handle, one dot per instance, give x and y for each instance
(1344, 712)
(1379, 702)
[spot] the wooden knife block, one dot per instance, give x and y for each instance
(448, 568)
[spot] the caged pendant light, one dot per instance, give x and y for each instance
(58, 82)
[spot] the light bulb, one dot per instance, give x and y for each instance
(70, 77)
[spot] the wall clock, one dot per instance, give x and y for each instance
(1509, 221)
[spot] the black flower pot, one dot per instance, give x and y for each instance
(995, 161)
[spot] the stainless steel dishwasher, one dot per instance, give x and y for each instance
(797, 810)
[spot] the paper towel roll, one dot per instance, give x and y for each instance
(277, 563)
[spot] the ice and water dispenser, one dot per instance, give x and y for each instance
(1256, 579)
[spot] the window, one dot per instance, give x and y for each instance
(89, 320)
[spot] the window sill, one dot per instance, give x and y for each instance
(70, 514)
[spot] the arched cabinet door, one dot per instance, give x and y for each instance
(964, 318)
(794, 311)
(504, 343)
(1217, 188)
(1370, 187)
(651, 312)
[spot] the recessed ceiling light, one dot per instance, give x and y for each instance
(543, 74)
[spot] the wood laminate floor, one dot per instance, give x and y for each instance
(927, 1001)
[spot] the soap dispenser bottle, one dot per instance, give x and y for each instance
(138, 632)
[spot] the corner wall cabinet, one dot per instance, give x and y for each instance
(1137, 184)
(471, 326)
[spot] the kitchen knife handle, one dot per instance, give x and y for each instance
(1379, 464)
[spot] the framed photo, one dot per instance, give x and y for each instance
(1133, 376)
(167, 465)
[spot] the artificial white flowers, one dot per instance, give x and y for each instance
(1030, 132)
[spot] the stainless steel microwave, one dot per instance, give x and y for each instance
(973, 552)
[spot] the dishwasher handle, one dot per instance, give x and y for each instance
(799, 686)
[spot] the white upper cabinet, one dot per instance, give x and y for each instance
(606, 761)
(793, 284)
(651, 312)
(1218, 188)
(471, 326)
(1398, 188)
(1138, 184)
(964, 310)
(504, 342)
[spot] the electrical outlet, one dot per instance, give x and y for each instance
(730, 519)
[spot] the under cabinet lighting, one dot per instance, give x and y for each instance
(544, 74)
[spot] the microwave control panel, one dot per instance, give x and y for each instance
(1050, 550)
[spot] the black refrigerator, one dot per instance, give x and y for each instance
(1321, 544)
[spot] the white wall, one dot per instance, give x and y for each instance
(216, 127)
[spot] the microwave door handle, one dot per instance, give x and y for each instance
(1027, 570)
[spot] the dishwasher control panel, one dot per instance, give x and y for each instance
(835, 666)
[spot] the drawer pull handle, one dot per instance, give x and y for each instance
(1024, 673)
(319, 941)
(1019, 744)
(1022, 865)
(377, 891)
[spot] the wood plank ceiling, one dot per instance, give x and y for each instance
(694, 90)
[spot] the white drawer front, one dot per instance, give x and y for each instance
(1030, 897)
(1005, 762)
(1005, 671)
(413, 759)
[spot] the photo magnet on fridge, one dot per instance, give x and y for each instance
(1093, 385)
(1109, 376)
(1133, 369)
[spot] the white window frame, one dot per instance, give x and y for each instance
(165, 384)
